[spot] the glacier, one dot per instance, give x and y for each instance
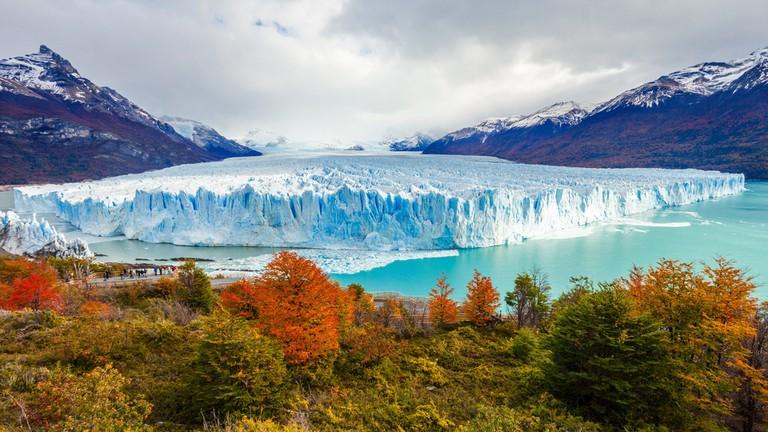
(33, 237)
(365, 201)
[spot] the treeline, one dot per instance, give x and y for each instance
(670, 347)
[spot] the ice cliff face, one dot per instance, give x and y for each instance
(33, 237)
(359, 201)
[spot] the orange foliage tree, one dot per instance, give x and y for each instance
(296, 302)
(482, 300)
(28, 284)
(442, 309)
(707, 317)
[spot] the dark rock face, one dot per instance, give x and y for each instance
(708, 116)
(57, 126)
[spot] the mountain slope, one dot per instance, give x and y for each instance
(56, 125)
(711, 115)
(208, 138)
(415, 142)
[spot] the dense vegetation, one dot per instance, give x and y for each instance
(672, 347)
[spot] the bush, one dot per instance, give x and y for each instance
(195, 288)
(95, 401)
(236, 370)
(546, 419)
(524, 346)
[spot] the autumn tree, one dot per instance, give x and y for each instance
(529, 300)
(706, 316)
(482, 300)
(294, 301)
(442, 309)
(752, 398)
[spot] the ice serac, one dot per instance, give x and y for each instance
(363, 201)
(33, 237)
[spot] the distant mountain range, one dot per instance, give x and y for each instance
(711, 116)
(56, 125)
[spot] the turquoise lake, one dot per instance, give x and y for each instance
(734, 227)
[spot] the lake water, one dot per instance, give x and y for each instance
(734, 227)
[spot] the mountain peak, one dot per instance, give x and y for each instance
(45, 50)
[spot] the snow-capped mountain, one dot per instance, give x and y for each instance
(207, 137)
(415, 142)
(712, 115)
(703, 80)
(561, 114)
(56, 125)
(34, 237)
(533, 127)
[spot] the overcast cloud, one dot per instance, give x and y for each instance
(354, 71)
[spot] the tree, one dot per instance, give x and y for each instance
(195, 287)
(34, 292)
(26, 283)
(294, 301)
(442, 309)
(529, 301)
(580, 286)
(482, 300)
(706, 316)
(95, 401)
(236, 369)
(752, 400)
(364, 308)
(610, 363)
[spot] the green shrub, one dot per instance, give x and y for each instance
(236, 370)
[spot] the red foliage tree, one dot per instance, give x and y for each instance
(33, 292)
(28, 284)
(442, 309)
(482, 300)
(296, 302)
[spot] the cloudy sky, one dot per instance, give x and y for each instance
(356, 70)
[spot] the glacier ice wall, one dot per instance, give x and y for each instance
(381, 202)
(33, 237)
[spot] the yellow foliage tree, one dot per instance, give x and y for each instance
(707, 316)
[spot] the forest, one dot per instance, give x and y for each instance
(676, 346)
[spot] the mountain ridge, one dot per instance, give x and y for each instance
(711, 115)
(56, 125)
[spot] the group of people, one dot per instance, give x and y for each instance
(138, 273)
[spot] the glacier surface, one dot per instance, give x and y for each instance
(33, 237)
(365, 201)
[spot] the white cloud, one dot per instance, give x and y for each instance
(330, 70)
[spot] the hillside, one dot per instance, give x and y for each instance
(56, 125)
